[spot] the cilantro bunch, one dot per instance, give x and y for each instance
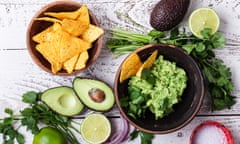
(30, 117)
(216, 73)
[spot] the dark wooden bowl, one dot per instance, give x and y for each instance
(35, 27)
(192, 97)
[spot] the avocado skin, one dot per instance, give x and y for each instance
(168, 13)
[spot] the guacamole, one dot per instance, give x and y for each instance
(157, 90)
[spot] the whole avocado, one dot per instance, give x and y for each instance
(168, 13)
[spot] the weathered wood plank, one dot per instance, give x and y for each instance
(16, 78)
(181, 136)
(15, 18)
(80, 1)
(19, 74)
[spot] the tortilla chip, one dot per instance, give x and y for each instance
(63, 15)
(84, 15)
(49, 19)
(92, 33)
(74, 27)
(43, 36)
(56, 67)
(148, 63)
(49, 52)
(48, 34)
(61, 44)
(77, 26)
(69, 65)
(70, 46)
(82, 60)
(130, 67)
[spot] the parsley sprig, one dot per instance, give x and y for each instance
(216, 73)
(30, 117)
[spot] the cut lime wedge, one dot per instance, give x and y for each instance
(203, 18)
(95, 128)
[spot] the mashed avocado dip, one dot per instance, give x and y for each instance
(157, 90)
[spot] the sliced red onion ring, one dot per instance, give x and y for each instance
(120, 135)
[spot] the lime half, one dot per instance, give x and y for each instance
(95, 128)
(203, 18)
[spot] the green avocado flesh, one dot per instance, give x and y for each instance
(62, 100)
(94, 94)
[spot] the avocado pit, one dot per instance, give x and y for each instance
(96, 94)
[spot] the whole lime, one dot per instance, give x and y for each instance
(49, 135)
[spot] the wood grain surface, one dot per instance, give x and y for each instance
(18, 73)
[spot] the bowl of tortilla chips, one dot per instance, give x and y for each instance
(64, 37)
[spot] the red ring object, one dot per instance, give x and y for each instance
(224, 129)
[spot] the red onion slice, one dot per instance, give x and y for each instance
(120, 135)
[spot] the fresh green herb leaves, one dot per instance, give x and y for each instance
(217, 74)
(146, 138)
(219, 83)
(31, 117)
(9, 132)
(30, 97)
(136, 103)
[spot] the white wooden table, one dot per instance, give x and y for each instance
(19, 74)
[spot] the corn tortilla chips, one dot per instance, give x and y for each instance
(133, 66)
(130, 67)
(148, 63)
(65, 43)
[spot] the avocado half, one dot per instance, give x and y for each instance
(94, 94)
(62, 100)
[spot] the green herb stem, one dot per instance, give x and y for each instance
(74, 128)
(131, 36)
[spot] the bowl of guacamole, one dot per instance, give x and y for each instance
(159, 88)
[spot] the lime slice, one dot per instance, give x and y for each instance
(95, 128)
(203, 18)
